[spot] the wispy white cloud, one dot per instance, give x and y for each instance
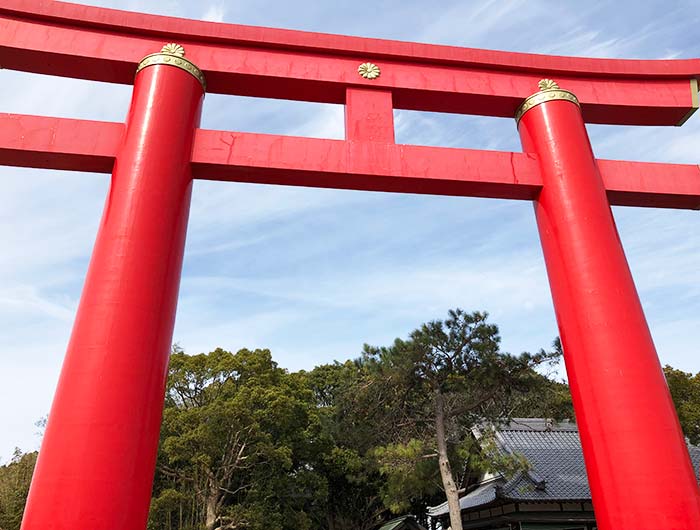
(215, 13)
(27, 300)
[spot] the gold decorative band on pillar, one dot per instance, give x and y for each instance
(173, 55)
(549, 91)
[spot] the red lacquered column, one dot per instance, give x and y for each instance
(637, 462)
(96, 464)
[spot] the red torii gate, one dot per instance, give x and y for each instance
(98, 455)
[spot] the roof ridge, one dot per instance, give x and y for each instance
(538, 482)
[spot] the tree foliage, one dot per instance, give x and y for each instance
(15, 478)
(431, 390)
(247, 445)
(234, 442)
(685, 392)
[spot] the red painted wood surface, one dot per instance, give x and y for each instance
(124, 323)
(64, 13)
(98, 455)
(58, 143)
(80, 145)
(369, 115)
(637, 461)
(57, 38)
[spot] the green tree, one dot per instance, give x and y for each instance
(431, 390)
(344, 458)
(547, 398)
(235, 431)
(685, 392)
(247, 445)
(15, 478)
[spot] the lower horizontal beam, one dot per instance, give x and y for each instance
(294, 161)
(651, 184)
(81, 145)
(58, 143)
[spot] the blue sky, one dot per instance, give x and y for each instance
(314, 274)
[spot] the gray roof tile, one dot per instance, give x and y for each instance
(557, 469)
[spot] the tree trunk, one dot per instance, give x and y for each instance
(211, 504)
(448, 481)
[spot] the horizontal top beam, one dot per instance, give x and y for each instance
(51, 37)
(81, 145)
(155, 26)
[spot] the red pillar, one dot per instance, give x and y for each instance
(96, 464)
(637, 462)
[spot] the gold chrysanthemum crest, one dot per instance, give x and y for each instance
(173, 54)
(173, 49)
(547, 84)
(549, 90)
(369, 70)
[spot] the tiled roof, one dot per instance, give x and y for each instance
(557, 470)
(407, 522)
